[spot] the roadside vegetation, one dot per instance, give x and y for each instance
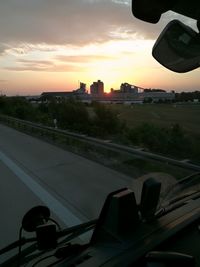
(157, 128)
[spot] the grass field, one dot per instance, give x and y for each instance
(187, 116)
(167, 115)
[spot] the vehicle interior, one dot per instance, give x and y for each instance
(158, 229)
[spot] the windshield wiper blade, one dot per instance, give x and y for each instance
(189, 194)
(182, 184)
(72, 232)
(16, 244)
(177, 203)
(78, 229)
(68, 234)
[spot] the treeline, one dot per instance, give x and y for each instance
(99, 120)
(154, 90)
(171, 141)
(187, 96)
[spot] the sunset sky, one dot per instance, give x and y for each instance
(51, 45)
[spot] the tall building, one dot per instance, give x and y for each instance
(128, 88)
(81, 89)
(97, 88)
(125, 88)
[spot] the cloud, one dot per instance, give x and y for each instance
(36, 62)
(83, 58)
(59, 22)
(25, 24)
(43, 65)
(3, 48)
(26, 48)
(58, 63)
(69, 22)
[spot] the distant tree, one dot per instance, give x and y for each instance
(3, 104)
(148, 100)
(187, 96)
(149, 136)
(154, 90)
(105, 122)
(73, 115)
(18, 107)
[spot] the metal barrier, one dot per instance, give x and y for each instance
(97, 149)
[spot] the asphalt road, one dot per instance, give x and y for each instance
(37, 173)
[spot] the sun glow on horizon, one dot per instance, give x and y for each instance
(51, 49)
(46, 67)
(29, 69)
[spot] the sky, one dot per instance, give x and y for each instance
(48, 45)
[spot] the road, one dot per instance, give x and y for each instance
(34, 172)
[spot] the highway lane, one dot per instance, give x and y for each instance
(15, 200)
(74, 179)
(34, 172)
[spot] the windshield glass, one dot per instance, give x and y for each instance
(85, 110)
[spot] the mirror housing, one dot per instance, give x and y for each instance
(150, 10)
(178, 47)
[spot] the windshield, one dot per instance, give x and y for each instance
(85, 110)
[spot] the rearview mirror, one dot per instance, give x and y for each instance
(178, 47)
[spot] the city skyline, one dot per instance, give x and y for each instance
(47, 46)
(92, 88)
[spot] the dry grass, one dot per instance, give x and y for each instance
(187, 116)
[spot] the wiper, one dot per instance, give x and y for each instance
(177, 203)
(184, 183)
(17, 243)
(186, 195)
(71, 232)
(46, 237)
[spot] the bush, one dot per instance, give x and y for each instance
(105, 123)
(170, 141)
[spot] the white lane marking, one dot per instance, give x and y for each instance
(68, 218)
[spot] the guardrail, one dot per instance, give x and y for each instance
(80, 143)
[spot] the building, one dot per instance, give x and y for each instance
(81, 89)
(128, 88)
(156, 96)
(127, 94)
(97, 88)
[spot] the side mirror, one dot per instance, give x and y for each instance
(178, 47)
